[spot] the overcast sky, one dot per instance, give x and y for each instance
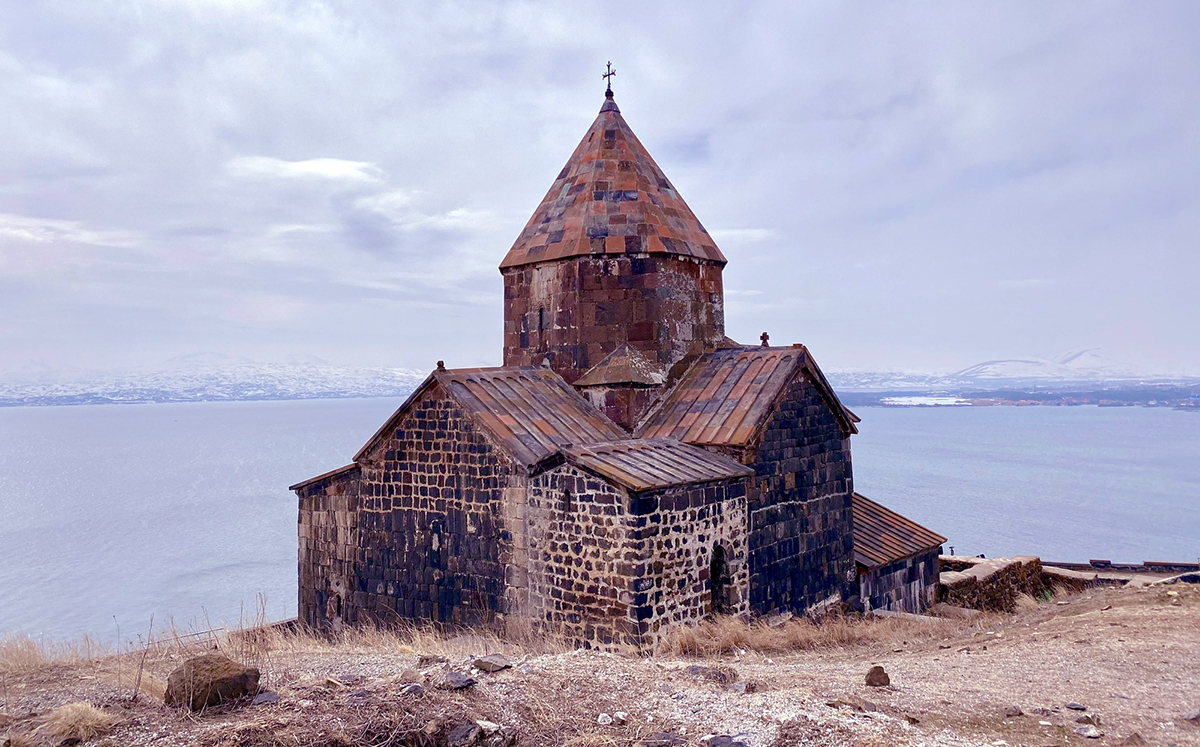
(916, 186)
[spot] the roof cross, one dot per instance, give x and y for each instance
(764, 337)
(608, 79)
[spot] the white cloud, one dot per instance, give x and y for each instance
(47, 231)
(325, 168)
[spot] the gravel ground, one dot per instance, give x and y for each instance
(1130, 656)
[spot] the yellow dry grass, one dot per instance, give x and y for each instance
(726, 635)
(20, 654)
(80, 720)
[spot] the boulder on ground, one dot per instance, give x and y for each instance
(878, 678)
(455, 681)
(208, 680)
(492, 663)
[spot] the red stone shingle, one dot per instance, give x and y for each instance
(611, 198)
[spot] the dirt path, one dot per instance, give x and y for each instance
(1130, 656)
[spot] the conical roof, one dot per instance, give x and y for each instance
(611, 198)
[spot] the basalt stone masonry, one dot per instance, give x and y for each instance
(629, 468)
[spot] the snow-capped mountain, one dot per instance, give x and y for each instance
(207, 378)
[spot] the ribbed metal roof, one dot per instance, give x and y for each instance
(611, 198)
(882, 536)
(649, 464)
(726, 395)
(531, 411)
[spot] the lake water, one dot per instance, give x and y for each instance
(111, 514)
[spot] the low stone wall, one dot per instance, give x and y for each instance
(991, 584)
(994, 584)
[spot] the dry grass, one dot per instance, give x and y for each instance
(80, 720)
(20, 654)
(728, 635)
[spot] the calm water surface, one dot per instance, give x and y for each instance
(111, 514)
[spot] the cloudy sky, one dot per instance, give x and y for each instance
(915, 186)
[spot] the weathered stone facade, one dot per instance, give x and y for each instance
(801, 540)
(417, 532)
(610, 567)
(905, 585)
(575, 311)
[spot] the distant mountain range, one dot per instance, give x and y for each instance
(210, 381)
(1080, 377)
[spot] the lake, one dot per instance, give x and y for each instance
(113, 513)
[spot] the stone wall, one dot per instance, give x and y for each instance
(906, 585)
(420, 532)
(609, 570)
(575, 311)
(624, 405)
(989, 584)
(801, 542)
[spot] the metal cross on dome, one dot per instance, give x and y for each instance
(608, 78)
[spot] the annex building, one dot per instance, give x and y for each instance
(629, 466)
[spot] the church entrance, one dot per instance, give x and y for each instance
(718, 579)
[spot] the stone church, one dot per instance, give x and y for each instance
(629, 467)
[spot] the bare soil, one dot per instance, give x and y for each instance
(1131, 656)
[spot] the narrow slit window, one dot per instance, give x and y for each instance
(541, 318)
(566, 501)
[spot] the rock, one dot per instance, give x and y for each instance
(660, 739)
(1041, 711)
(1193, 718)
(743, 688)
(912, 720)
(526, 669)
(411, 675)
(878, 678)
(305, 703)
(464, 735)
(724, 740)
(267, 697)
(413, 689)
(351, 679)
(604, 719)
(208, 680)
(621, 717)
(428, 660)
(6, 721)
(1091, 718)
(70, 742)
(1013, 712)
(1088, 732)
(492, 663)
(1076, 707)
(455, 681)
(1133, 740)
(869, 707)
(489, 728)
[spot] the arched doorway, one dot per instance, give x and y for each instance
(718, 579)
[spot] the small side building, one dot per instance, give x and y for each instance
(897, 559)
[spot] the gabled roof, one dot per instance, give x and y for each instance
(727, 395)
(531, 411)
(625, 365)
(330, 475)
(882, 536)
(611, 198)
(648, 464)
